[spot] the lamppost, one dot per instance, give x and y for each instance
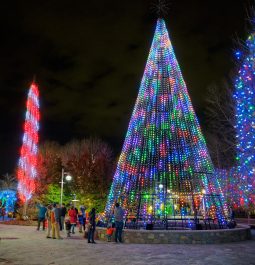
(74, 200)
(67, 178)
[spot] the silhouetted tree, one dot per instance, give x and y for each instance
(8, 182)
(220, 114)
(90, 162)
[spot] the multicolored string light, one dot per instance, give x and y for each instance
(27, 167)
(8, 199)
(164, 165)
(244, 177)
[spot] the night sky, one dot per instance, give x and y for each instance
(89, 57)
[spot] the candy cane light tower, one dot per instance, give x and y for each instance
(27, 165)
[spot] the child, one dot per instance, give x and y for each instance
(68, 226)
(109, 231)
(81, 220)
(87, 228)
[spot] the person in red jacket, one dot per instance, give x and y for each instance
(73, 218)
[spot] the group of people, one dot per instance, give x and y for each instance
(58, 218)
(117, 225)
(54, 215)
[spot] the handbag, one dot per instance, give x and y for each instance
(87, 228)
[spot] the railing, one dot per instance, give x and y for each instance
(176, 224)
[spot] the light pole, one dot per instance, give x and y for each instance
(68, 178)
(75, 200)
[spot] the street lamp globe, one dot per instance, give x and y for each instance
(68, 178)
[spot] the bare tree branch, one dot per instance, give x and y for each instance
(220, 113)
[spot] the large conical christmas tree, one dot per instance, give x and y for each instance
(164, 169)
(244, 177)
(27, 166)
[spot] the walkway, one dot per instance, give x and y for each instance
(25, 246)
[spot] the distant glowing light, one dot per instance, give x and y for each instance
(68, 177)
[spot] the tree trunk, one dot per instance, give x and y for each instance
(24, 215)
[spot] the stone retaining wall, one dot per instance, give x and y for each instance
(181, 236)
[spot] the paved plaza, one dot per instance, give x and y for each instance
(24, 245)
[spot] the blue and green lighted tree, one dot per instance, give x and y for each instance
(244, 177)
(164, 168)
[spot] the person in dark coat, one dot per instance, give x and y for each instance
(119, 216)
(82, 208)
(92, 222)
(63, 213)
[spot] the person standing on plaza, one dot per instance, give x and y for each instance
(73, 218)
(58, 214)
(92, 228)
(1, 206)
(82, 208)
(118, 215)
(48, 218)
(81, 222)
(231, 214)
(62, 217)
(41, 216)
(3, 211)
(55, 216)
(68, 226)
